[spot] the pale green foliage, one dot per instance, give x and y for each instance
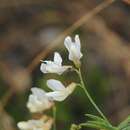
(99, 123)
(125, 125)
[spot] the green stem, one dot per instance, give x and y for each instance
(54, 116)
(89, 97)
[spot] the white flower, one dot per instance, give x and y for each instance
(39, 124)
(59, 91)
(38, 101)
(73, 49)
(54, 66)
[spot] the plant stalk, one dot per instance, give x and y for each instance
(89, 97)
(54, 116)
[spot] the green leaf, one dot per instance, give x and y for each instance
(93, 126)
(98, 123)
(96, 118)
(125, 125)
(127, 128)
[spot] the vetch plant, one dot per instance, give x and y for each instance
(40, 100)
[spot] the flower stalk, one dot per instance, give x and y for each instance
(54, 117)
(89, 96)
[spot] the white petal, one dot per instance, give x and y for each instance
(39, 124)
(57, 58)
(68, 42)
(65, 67)
(55, 85)
(74, 49)
(38, 91)
(23, 125)
(34, 105)
(60, 95)
(38, 101)
(62, 69)
(77, 41)
(73, 53)
(43, 68)
(47, 66)
(57, 95)
(53, 68)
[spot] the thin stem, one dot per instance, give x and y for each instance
(54, 116)
(89, 97)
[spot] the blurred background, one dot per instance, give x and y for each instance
(32, 30)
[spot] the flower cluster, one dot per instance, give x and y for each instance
(40, 100)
